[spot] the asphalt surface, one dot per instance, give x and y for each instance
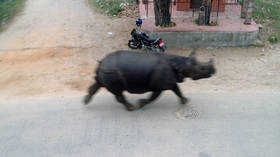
(210, 125)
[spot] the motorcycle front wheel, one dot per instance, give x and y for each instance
(133, 44)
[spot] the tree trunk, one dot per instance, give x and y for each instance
(162, 14)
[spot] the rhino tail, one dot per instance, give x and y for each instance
(91, 91)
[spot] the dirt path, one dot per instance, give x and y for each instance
(48, 24)
(52, 47)
(54, 43)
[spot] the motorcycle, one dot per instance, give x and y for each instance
(141, 40)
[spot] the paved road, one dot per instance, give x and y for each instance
(211, 125)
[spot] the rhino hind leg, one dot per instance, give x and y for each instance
(121, 98)
(144, 102)
(91, 91)
(177, 91)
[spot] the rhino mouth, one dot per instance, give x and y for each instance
(197, 77)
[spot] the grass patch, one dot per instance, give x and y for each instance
(267, 13)
(8, 8)
(111, 7)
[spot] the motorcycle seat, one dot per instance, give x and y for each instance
(152, 39)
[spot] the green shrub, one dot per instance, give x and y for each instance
(273, 38)
(267, 13)
(8, 8)
(111, 7)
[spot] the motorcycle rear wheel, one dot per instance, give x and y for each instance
(162, 49)
(158, 49)
(133, 44)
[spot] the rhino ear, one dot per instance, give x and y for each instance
(193, 53)
(211, 62)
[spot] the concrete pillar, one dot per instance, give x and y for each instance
(249, 12)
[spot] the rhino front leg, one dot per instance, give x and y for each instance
(177, 91)
(121, 99)
(143, 102)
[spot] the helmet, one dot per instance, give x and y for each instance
(139, 22)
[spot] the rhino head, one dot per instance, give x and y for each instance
(190, 67)
(199, 70)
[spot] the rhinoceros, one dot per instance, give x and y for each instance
(139, 73)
